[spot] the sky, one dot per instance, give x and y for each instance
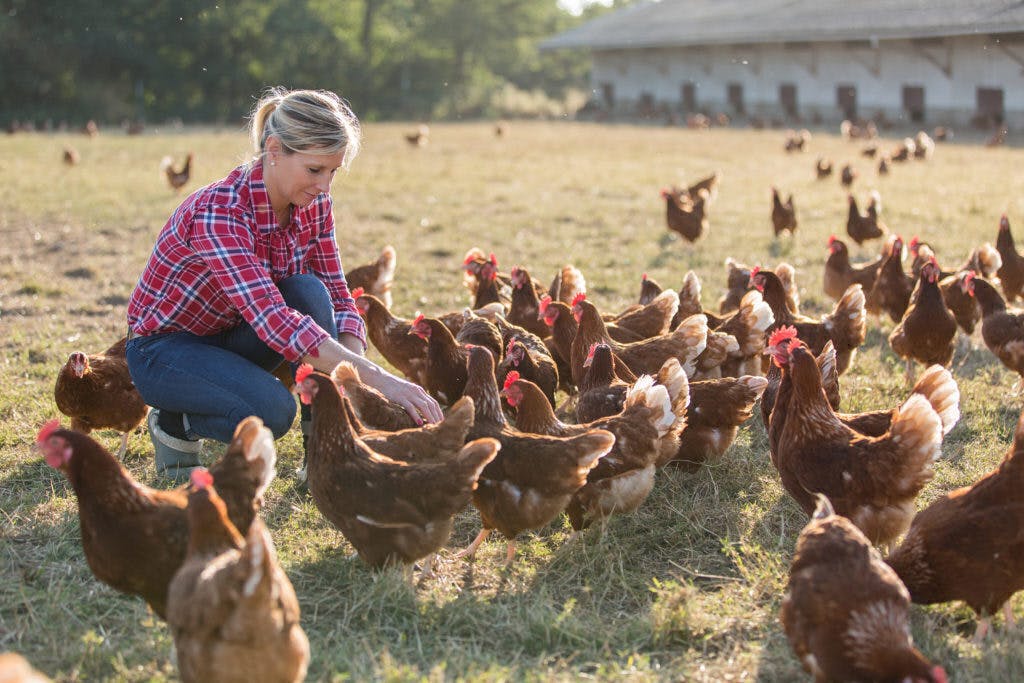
(576, 6)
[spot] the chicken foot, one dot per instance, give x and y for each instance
(470, 550)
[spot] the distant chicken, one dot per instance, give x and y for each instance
(649, 288)
(823, 168)
(883, 165)
(96, 392)
(91, 129)
(904, 151)
(873, 481)
(649, 424)
(230, 606)
(796, 141)
(840, 273)
(927, 330)
(846, 326)
(967, 544)
(709, 183)
(534, 476)
(924, 146)
(134, 538)
(375, 278)
(847, 175)
(176, 178)
(869, 151)
(71, 156)
(1011, 274)
(419, 137)
(1002, 330)
(845, 613)
(893, 287)
(862, 227)
(392, 512)
(687, 216)
(783, 214)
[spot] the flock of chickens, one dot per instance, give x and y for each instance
(662, 382)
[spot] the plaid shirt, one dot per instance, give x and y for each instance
(216, 261)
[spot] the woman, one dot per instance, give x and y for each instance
(245, 274)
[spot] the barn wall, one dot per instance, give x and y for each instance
(949, 71)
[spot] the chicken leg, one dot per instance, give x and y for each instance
(981, 631)
(470, 550)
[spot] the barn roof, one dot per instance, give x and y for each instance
(674, 23)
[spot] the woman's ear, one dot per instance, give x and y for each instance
(272, 147)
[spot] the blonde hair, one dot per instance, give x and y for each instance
(314, 121)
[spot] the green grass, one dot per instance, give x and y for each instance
(687, 588)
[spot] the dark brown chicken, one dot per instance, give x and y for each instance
(601, 392)
(373, 408)
(230, 606)
(534, 366)
(967, 544)
(840, 273)
(686, 216)
(1002, 330)
(375, 278)
(823, 168)
(847, 175)
(96, 392)
(717, 409)
(444, 374)
(390, 511)
(960, 302)
(1011, 273)
(177, 178)
(524, 307)
(737, 283)
(873, 481)
(133, 537)
(783, 214)
(862, 227)
(390, 335)
(927, 330)
(845, 612)
(893, 287)
(534, 476)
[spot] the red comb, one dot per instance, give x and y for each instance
(357, 292)
(914, 241)
(578, 298)
(494, 259)
(47, 430)
(544, 303)
(754, 271)
(511, 378)
(418, 319)
(201, 478)
(304, 371)
(643, 277)
(784, 333)
(469, 259)
(831, 240)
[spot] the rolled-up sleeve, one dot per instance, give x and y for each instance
(324, 261)
(222, 237)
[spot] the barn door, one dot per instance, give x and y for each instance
(689, 97)
(846, 100)
(735, 97)
(787, 99)
(913, 102)
(990, 104)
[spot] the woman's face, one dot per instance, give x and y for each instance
(298, 177)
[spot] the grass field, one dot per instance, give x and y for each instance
(688, 588)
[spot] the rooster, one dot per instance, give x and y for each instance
(846, 326)
(134, 538)
(783, 214)
(177, 179)
(926, 332)
(392, 512)
(231, 607)
(96, 392)
(873, 481)
(1011, 273)
(845, 612)
(534, 476)
(967, 544)
(862, 227)
(375, 278)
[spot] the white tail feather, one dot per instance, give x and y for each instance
(937, 385)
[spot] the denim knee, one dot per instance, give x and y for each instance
(277, 412)
(307, 294)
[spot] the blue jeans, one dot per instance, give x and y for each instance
(218, 380)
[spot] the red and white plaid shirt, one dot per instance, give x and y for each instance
(216, 261)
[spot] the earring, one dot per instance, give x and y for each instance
(273, 163)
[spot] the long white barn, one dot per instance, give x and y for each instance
(919, 61)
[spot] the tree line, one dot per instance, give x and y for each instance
(206, 60)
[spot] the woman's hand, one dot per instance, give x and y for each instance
(420, 405)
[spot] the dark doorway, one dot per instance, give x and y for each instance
(734, 95)
(787, 99)
(846, 100)
(608, 95)
(990, 104)
(913, 102)
(689, 97)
